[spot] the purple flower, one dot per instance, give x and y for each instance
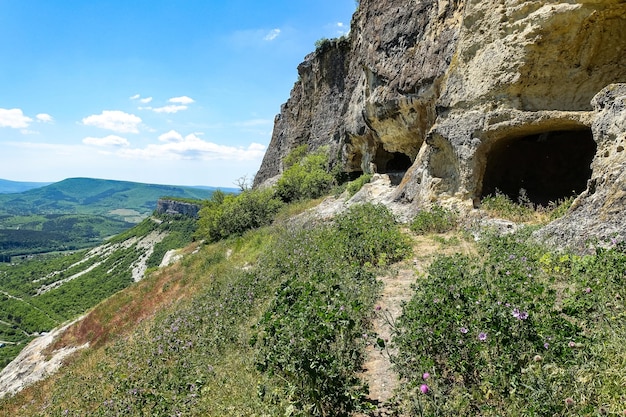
(571, 344)
(482, 336)
(520, 315)
(587, 290)
(464, 330)
(424, 388)
(425, 376)
(378, 308)
(546, 345)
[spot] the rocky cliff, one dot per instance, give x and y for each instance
(464, 98)
(177, 207)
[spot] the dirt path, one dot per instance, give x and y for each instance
(379, 375)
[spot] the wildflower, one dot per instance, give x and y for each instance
(546, 345)
(520, 315)
(378, 308)
(464, 330)
(511, 257)
(569, 401)
(537, 358)
(424, 388)
(508, 272)
(571, 344)
(341, 308)
(587, 290)
(425, 376)
(482, 336)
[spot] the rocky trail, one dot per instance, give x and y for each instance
(398, 289)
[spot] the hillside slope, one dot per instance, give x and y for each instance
(43, 292)
(94, 196)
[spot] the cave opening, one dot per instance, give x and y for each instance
(540, 168)
(394, 164)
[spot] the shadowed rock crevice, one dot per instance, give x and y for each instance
(541, 168)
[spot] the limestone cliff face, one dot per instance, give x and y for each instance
(175, 207)
(469, 97)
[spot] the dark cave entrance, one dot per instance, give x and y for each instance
(549, 166)
(395, 164)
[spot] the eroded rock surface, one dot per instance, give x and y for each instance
(466, 98)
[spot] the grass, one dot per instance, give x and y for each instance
(228, 331)
(272, 322)
(515, 330)
(524, 211)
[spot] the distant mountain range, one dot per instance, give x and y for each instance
(7, 187)
(118, 199)
(77, 212)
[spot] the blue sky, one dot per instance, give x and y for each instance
(158, 91)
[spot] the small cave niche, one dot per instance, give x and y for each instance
(394, 164)
(540, 168)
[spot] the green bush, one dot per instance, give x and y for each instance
(437, 220)
(232, 215)
(306, 175)
(354, 186)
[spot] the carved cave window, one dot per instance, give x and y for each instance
(545, 167)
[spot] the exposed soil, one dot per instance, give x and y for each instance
(378, 371)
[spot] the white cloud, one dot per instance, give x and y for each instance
(44, 117)
(111, 140)
(135, 97)
(14, 118)
(341, 28)
(171, 136)
(146, 100)
(172, 108)
(272, 34)
(114, 120)
(181, 100)
(191, 147)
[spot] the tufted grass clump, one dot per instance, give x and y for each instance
(524, 210)
(516, 330)
(436, 220)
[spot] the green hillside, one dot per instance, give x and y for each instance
(41, 292)
(96, 196)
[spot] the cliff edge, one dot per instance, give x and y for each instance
(466, 98)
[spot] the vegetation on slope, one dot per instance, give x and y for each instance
(42, 292)
(277, 326)
(274, 321)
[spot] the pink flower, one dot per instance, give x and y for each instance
(426, 376)
(482, 336)
(424, 388)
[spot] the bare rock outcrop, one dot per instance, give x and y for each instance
(465, 98)
(177, 207)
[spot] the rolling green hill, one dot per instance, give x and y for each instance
(118, 199)
(79, 212)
